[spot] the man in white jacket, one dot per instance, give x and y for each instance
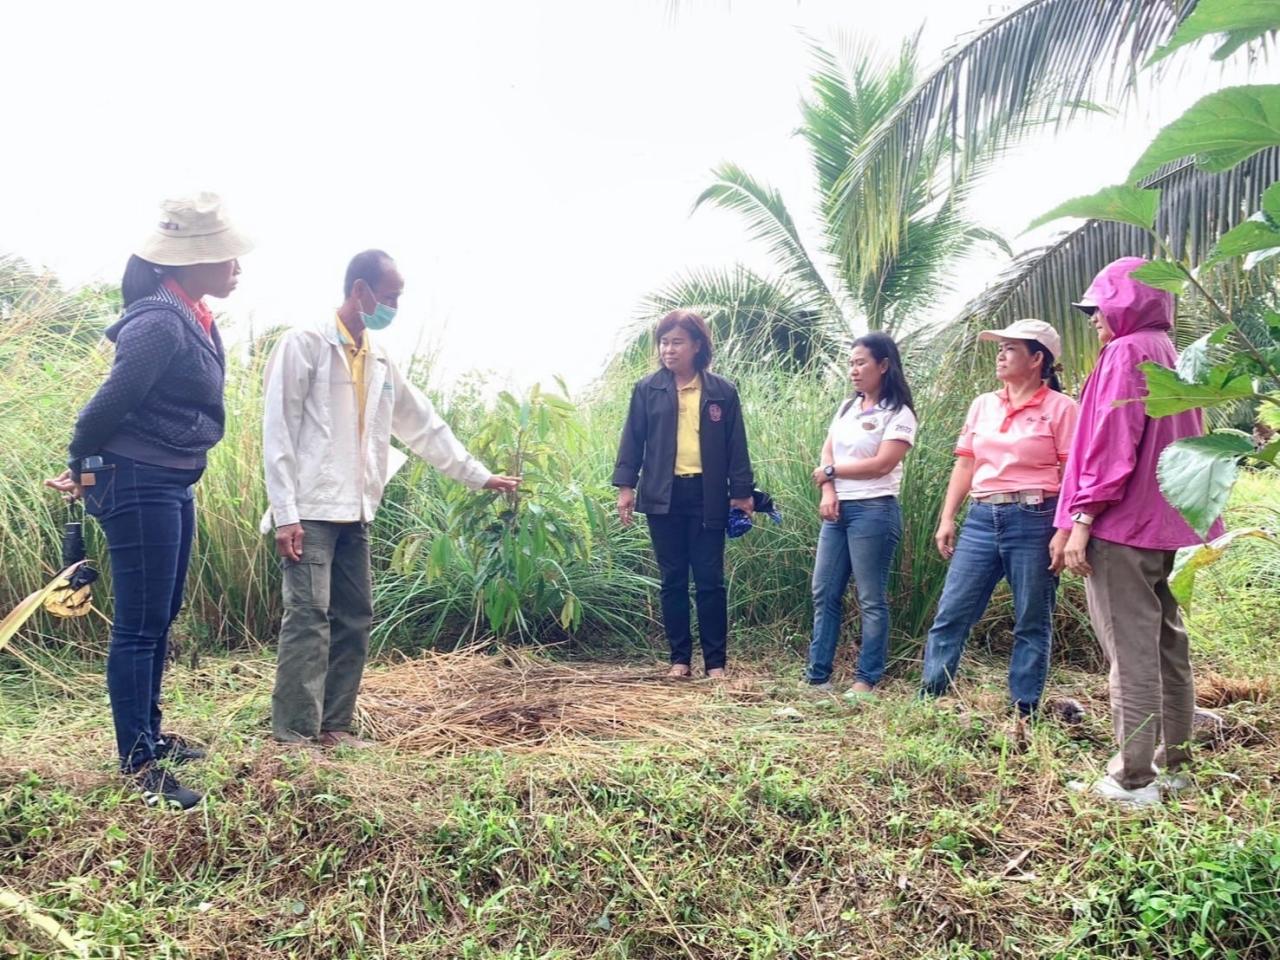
(333, 401)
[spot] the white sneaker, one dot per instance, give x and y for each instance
(1109, 789)
(1173, 782)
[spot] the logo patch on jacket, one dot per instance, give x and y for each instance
(714, 412)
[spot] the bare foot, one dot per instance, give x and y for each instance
(860, 690)
(716, 673)
(678, 670)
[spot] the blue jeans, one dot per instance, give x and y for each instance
(1006, 541)
(861, 543)
(148, 516)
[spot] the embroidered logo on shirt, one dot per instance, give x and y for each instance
(714, 412)
(869, 424)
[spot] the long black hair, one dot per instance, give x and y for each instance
(1048, 371)
(895, 393)
(142, 278)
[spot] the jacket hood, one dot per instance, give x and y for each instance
(1128, 304)
(144, 305)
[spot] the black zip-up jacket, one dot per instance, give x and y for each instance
(162, 402)
(647, 451)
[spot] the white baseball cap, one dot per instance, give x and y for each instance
(1028, 330)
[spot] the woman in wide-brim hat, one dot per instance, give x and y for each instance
(138, 449)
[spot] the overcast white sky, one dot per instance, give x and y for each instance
(530, 165)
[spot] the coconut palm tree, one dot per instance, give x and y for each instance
(814, 301)
(1041, 63)
(1196, 209)
(1189, 198)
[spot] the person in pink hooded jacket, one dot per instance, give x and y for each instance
(1117, 530)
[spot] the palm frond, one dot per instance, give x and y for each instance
(1196, 208)
(769, 221)
(750, 317)
(848, 103)
(849, 98)
(903, 285)
(1044, 61)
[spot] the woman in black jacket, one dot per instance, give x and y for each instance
(138, 449)
(683, 462)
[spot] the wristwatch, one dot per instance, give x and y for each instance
(1082, 518)
(830, 471)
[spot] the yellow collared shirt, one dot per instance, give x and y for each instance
(356, 356)
(688, 426)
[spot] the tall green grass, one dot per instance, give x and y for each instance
(52, 358)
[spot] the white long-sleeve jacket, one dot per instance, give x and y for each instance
(316, 466)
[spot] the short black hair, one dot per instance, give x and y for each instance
(369, 266)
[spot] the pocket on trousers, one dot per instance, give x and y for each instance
(1045, 509)
(874, 518)
(306, 581)
(100, 499)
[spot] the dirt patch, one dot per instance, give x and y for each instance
(447, 702)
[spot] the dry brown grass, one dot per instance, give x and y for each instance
(456, 702)
(1215, 690)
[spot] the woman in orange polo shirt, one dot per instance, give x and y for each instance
(1009, 464)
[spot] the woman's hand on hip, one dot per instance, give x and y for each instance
(945, 537)
(1077, 550)
(829, 507)
(1058, 551)
(65, 485)
(626, 505)
(289, 541)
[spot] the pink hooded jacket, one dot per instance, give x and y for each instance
(1111, 471)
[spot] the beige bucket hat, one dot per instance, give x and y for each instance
(193, 229)
(1028, 330)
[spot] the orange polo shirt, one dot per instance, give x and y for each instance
(1018, 448)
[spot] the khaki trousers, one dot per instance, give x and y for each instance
(324, 637)
(1137, 622)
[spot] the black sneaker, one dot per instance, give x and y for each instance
(160, 788)
(175, 749)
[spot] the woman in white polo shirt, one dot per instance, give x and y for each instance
(860, 474)
(1009, 464)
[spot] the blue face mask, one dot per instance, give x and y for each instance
(381, 317)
